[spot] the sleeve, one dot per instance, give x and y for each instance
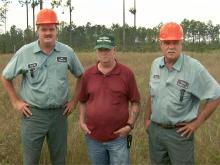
(154, 83)
(205, 87)
(134, 95)
(150, 80)
(14, 67)
(75, 65)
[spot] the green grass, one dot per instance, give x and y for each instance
(207, 137)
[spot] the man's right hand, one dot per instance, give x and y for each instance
(22, 107)
(85, 128)
(147, 124)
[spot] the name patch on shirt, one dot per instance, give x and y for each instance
(183, 84)
(156, 76)
(61, 59)
(32, 66)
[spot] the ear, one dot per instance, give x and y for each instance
(57, 29)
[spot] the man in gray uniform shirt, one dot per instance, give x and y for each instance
(177, 84)
(43, 99)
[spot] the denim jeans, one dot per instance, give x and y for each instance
(114, 152)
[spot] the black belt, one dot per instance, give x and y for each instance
(169, 126)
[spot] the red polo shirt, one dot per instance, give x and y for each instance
(107, 98)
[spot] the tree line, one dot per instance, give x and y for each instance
(199, 36)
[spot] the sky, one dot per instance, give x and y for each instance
(149, 14)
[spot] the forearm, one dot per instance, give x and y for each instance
(148, 108)
(9, 87)
(208, 109)
(82, 109)
(134, 112)
(77, 90)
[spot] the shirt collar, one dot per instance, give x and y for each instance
(177, 66)
(37, 48)
(115, 71)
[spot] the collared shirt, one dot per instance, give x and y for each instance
(107, 100)
(176, 93)
(45, 77)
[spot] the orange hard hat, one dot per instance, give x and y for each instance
(171, 31)
(46, 16)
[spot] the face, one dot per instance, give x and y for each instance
(106, 55)
(47, 34)
(171, 49)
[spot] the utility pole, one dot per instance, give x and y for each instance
(135, 14)
(41, 4)
(5, 20)
(33, 5)
(69, 4)
(123, 25)
(26, 2)
(133, 11)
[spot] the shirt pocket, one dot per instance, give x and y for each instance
(62, 70)
(180, 95)
(34, 75)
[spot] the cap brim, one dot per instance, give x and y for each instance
(103, 46)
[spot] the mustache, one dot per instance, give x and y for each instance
(48, 36)
(171, 51)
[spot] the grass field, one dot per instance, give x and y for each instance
(207, 137)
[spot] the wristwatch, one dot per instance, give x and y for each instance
(130, 125)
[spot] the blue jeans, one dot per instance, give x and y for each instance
(113, 152)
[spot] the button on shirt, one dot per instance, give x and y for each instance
(176, 93)
(45, 77)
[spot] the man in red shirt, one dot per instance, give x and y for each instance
(105, 116)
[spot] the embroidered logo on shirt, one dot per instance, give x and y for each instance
(32, 66)
(61, 59)
(183, 84)
(156, 76)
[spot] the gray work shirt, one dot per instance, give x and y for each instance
(45, 77)
(176, 93)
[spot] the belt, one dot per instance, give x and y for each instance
(169, 126)
(50, 108)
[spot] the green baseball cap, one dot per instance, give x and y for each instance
(105, 41)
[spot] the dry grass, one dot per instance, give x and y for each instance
(207, 136)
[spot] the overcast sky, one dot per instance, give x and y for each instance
(106, 12)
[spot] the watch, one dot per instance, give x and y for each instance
(130, 125)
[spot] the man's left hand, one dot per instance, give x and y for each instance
(69, 106)
(188, 129)
(124, 131)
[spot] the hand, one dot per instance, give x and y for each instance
(124, 131)
(22, 107)
(188, 129)
(147, 124)
(85, 128)
(69, 106)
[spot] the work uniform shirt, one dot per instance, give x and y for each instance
(176, 93)
(45, 77)
(107, 100)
